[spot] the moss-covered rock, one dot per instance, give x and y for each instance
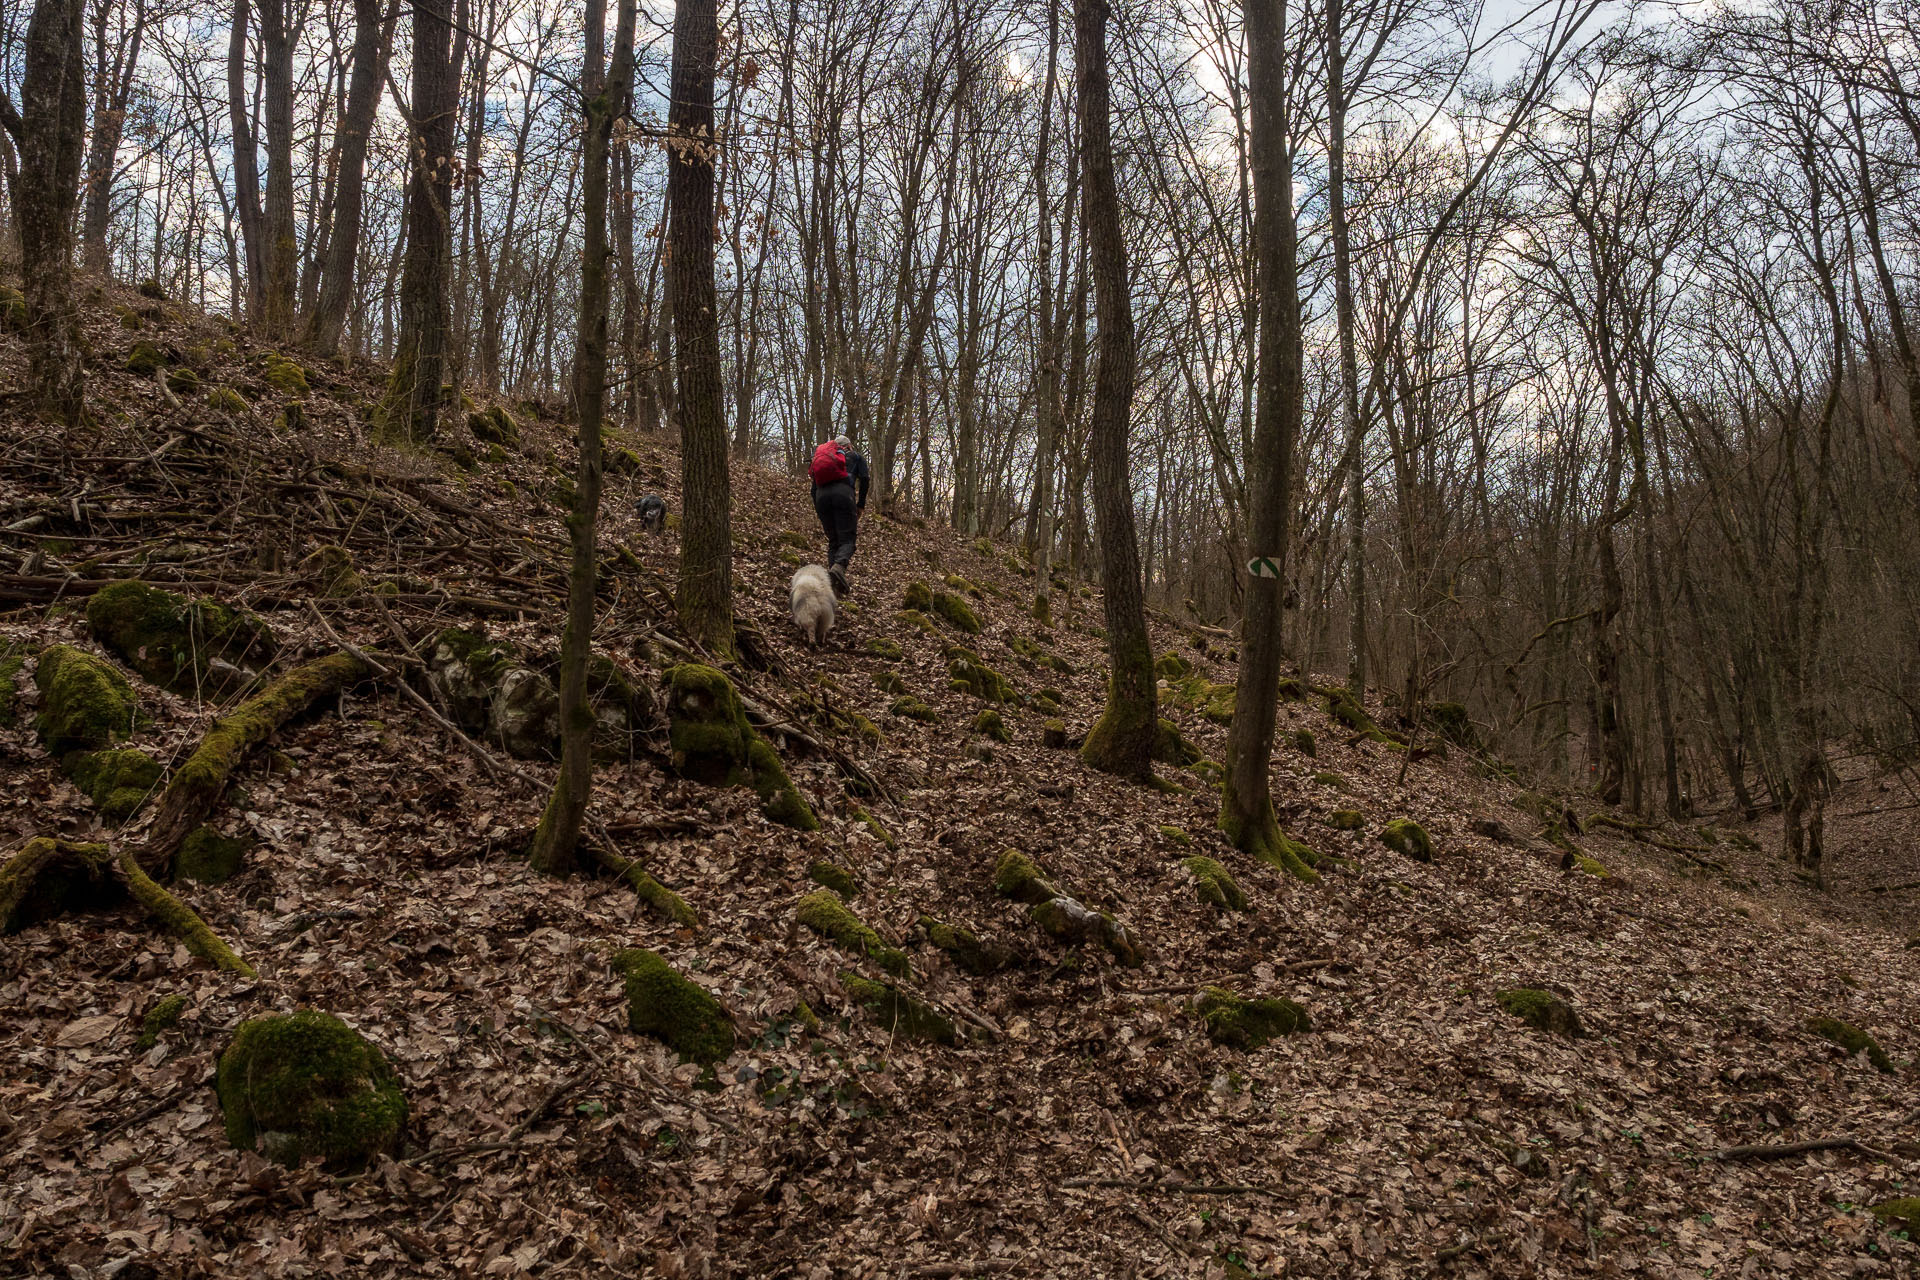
(13, 310)
(117, 781)
(884, 649)
(84, 703)
(1032, 653)
(302, 1085)
(524, 714)
(1304, 743)
(1330, 780)
(1345, 820)
(1069, 920)
(912, 708)
(834, 877)
(989, 723)
(465, 668)
(145, 359)
(183, 381)
(1591, 866)
(664, 1003)
(494, 426)
(1053, 734)
(1172, 668)
(283, 375)
(919, 597)
(227, 401)
(780, 800)
(872, 824)
(1170, 746)
(330, 569)
(713, 744)
(1214, 701)
(890, 683)
(1408, 839)
(1016, 876)
(623, 709)
(1176, 835)
(1541, 1010)
(1451, 721)
(1214, 886)
(898, 1013)
(209, 857)
(183, 645)
(1853, 1040)
(964, 946)
(957, 613)
(968, 674)
(824, 913)
(1247, 1024)
(1902, 1212)
(160, 1019)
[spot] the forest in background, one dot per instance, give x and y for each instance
(1605, 426)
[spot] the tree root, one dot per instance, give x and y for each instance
(180, 919)
(656, 895)
(79, 871)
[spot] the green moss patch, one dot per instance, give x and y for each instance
(964, 946)
(209, 857)
(1016, 876)
(226, 400)
(889, 682)
(1330, 780)
(283, 375)
(1177, 835)
(968, 674)
(1214, 701)
(330, 569)
(1451, 721)
(1214, 886)
(918, 597)
(897, 1012)
(664, 1003)
(914, 618)
(183, 381)
(1904, 1211)
(13, 310)
(145, 359)
(1304, 743)
(884, 649)
(957, 613)
(824, 913)
(1853, 1040)
(160, 1019)
(12, 658)
(84, 703)
(1053, 734)
(173, 641)
(1591, 866)
(1408, 839)
(1347, 709)
(834, 877)
(494, 426)
(989, 723)
(1246, 1024)
(713, 743)
(1034, 654)
(118, 781)
(1171, 667)
(1170, 746)
(302, 1085)
(1345, 820)
(872, 824)
(1541, 1010)
(912, 708)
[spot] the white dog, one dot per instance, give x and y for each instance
(811, 600)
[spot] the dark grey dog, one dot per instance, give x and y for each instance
(653, 512)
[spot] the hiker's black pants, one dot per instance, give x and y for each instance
(834, 504)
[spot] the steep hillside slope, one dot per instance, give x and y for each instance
(1072, 1115)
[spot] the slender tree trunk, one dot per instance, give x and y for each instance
(371, 42)
(282, 256)
(1121, 742)
(1354, 460)
(1046, 389)
(114, 70)
(246, 170)
(706, 534)
(415, 391)
(1246, 810)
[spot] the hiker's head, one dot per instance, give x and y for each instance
(843, 442)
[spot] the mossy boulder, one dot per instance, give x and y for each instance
(834, 877)
(160, 1019)
(823, 912)
(1016, 876)
(1303, 742)
(915, 618)
(988, 722)
(180, 644)
(305, 1085)
(1172, 667)
(1346, 820)
(1902, 1212)
(145, 359)
(464, 667)
(117, 781)
(1245, 1024)
(524, 714)
(227, 401)
(1053, 734)
(208, 857)
(1591, 867)
(912, 708)
(968, 674)
(1214, 701)
(956, 612)
(1541, 1010)
(780, 800)
(1408, 839)
(1853, 1040)
(1069, 920)
(283, 375)
(623, 708)
(84, 703)
(494, 426)
(1170, 746)
(330, 569)
(183, 381)
(918, 597)
(1176, 835)
(898, 1013)
(713, 744)
(890, 683)
(1214, 886)
(884, 649)
(1343, 706)
(964, 946)
(1451, 721)
(1032, 653)
(1330, 780)
(664, 1003)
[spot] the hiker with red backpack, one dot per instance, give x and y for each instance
(837, 468)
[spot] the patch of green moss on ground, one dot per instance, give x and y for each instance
(1171, 667)
(171, 640)
(117, 781)
(963, 945)
(1345, 820)
(1304, 743)
(779, 798)
(834, 877)
(884, 649)
(226, 400)
(1214, 701)
(664, 1003)
(897, 1012)
(989, 723)
(183, 381)
(494, 426)
(873, 824)
(161, 1018)
(1177, 835)
(912, 708)
(12, 658)
(145, 359)
(1214, 885)
(84, 703)
(330, 567)
(301, 1085)
(1905, 1210)
(1591, 866)
(1170, 746)
(283, 375)
(914, 618)
(13, 310)
(209, 857)
(1853, 1040)
(918, 597)
(1541, 1010)
(1247, 1024)
(1330, 780)
(956, 611)
(889, 682)
(1016, 876)
(1409, 839)
(1344, 707)
(824, 913)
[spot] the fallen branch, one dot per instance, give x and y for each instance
(1782, 1150)
(179, 918)
(1174, 1188)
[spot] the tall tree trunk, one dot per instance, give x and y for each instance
(415, 393)
(1046, 374)
(706, 533)
(49, 130)
(282, 253)
(1246, 811)
(558, 835)
(114, 70)
(1354, 459)
(1121, 742)
(246, 164)
(372, 39)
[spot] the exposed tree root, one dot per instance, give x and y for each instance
(67, 874)
(656, 895)
(180, 919)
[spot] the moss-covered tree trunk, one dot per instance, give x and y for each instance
(415, 392)
(48, 131)
(706, 530)
(1246, 814)
(558, 834)
(1121, 742)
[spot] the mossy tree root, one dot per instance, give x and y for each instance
(663, 900)
(1262, 837)
(46, 876)
(179, 919)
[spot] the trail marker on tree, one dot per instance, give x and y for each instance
(1263, 567)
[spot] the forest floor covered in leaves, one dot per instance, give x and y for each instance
(1087, 1124)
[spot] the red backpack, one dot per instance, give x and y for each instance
(829, 464)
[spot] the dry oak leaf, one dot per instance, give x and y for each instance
(85, 1031)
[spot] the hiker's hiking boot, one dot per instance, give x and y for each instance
(838, 573)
